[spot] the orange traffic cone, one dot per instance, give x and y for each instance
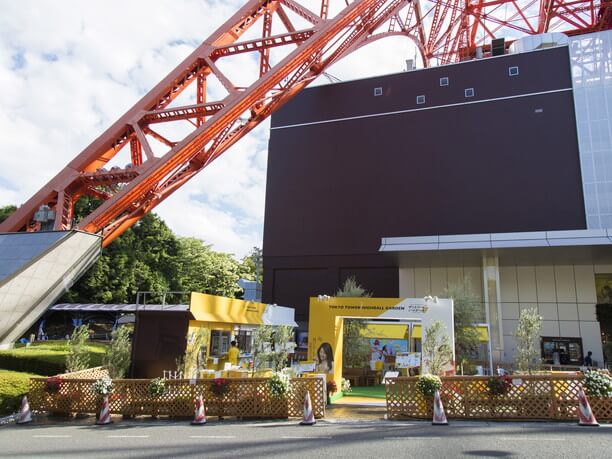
(585, 414)
(200, 412)
(104, 417)
(439, 418)
(309, 419)
(25, 415)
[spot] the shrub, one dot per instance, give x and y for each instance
(157, 387)
(598, 383)
(346, 386)
(499, 385)
(78, 355)
(429, 384)
(118, 354)
(13, 386)
(280, 384)
(46, 358)
(332, 387)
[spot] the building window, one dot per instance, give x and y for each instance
(513, 71)
(562, 351)
(469, 92)
(420, 100)
(377, 92)
(444, 81)
(219, 342)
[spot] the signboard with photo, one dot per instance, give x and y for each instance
(408, 360)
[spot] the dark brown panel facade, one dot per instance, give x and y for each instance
(159, 338)
(505, 160)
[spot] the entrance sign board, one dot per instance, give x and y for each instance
(326, 324)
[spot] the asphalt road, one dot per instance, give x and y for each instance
(377, 439)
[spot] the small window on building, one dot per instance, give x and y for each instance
(420, 100)
(377, 92)
(444, 81)
(469, 92)
(513, 71)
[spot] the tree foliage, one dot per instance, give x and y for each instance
(271, 346)
(351, 288)
(6, 212)
(150, 257)
(355, 348)
(118, 355)
(195, 352)
(248, 265)
(436, 349)
(527, 334)
(467, 312)
(78, 355)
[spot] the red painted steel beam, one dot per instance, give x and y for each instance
(444, 31)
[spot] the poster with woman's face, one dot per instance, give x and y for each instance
(325, 359)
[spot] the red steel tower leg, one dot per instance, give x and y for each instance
(159, 164)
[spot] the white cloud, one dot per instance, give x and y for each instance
(69, 69)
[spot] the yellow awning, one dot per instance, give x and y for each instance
(387, 331)
(211, 308)
(482, 333)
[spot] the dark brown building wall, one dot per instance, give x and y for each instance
(159, 338)
(505, 160)
(292, 281)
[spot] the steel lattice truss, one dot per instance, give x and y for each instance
(293, 43)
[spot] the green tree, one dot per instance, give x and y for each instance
(436, 349)
(467, 313)
(195, 352)
(145, 258)
(77, 358)
(6, 212)
(355, 348)
(251, 265)
(118, 355)
(527, 340)
(207, 271)
(271, 346)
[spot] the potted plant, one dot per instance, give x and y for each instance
(346, 386)
(157, 388)
(598, 386)
(427, 385)
(280, 388)
(499, 385)
(332, 388)
(219, 387)
(102, 387)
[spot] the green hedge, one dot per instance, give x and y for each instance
(13, 386)
(46, 358)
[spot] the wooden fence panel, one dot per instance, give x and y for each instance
(245, 398)
(468, 397)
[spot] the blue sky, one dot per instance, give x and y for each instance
(69, 69)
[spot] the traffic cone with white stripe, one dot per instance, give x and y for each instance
(439, 417)
(585, 414)
(200, 412)
(104, 418)
(25, 415)
(309, 419)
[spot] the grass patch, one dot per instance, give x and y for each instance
(46, 357)
(377, 391)
(13, 386)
